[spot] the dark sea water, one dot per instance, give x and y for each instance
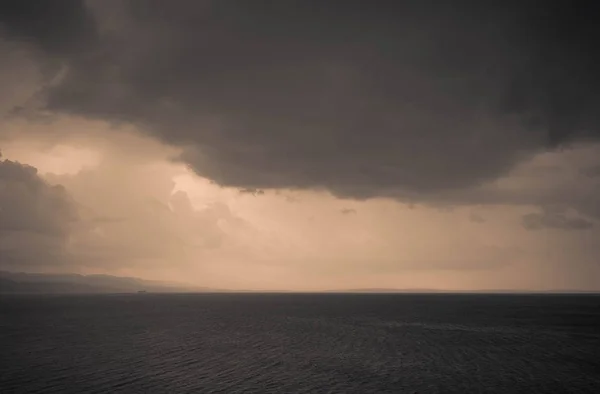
(286, 343)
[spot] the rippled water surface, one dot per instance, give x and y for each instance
(293, 343)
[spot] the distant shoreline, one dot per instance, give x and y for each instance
(35, 283)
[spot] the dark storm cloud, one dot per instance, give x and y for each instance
(35, 218)
(57, 27)
(363, 99)
(555, 218)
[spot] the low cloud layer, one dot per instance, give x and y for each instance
(554, 218)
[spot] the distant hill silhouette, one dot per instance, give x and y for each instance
(30, 283)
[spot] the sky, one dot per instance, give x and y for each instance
(303, 145)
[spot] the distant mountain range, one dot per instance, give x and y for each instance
(28, 283)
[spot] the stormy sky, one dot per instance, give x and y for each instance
(303, 144)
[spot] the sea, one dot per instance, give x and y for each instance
(300, 343)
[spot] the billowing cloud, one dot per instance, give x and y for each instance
(36, 219)
(399, 99)
(132, 220)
